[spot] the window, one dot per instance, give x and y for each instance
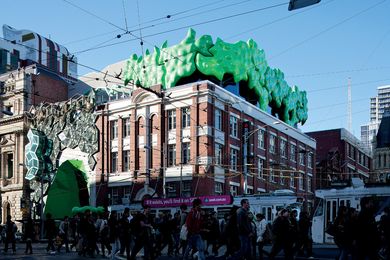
(293, 149)
(292, 180)
(233, 126)
(171, 155)
(272, 140)
(126, 127)
(126, 161)
(283, 148)
(171, 189)
(114, 161)
(233, 190)
(218, 188)
(271, 175)
(115, 196)
(218, 119)
(249, 191)
(186, 192)
(302, 158)
(171, 119)
(10, 165)
(310, 160)
(309, 184)
(281, 179)
(218, 154)
(300, 181)
(233, 159)
(185, 117)
(114, 129)
(260, 168)
(185, 156)
(260, 139)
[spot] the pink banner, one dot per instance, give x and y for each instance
(176, 202)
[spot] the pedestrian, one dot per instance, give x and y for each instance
(104, 235)
(144, 231)
(51, 232)
(213, 234)
(281, 236)
(124, 232)
(194, 223)
(368, 237)
(261, 227)
(113, 227)
(29, 235)
(384, 227)
(244, 230)
(64, 234)
(183, 218)
(305, 241)
(10, 231)
(231, 233)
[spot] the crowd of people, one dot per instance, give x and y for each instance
(195, 232)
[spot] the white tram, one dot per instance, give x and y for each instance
(329, 201)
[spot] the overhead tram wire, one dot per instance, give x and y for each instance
(192, 25)
(337, 72)
(94, 15)
(279, 20)
(326, 30)
(195, 14)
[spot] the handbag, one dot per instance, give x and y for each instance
(183, 232)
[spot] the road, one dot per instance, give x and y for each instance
(321, 252)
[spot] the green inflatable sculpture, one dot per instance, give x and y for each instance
(224, 63)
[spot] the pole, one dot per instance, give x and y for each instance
(41, 208)
(164, 168)
(245, 154)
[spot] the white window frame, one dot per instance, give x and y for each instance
(171, 155)
(172, 119)
(126, 127)
(292, 180)
(293, 152)
(185, 117)
(218, 119)
(300, 181)
(114, 129)
(271, 173)
(233, 126)
(272, 143)
(283, 148)
(260, 168)
(260, 139)
(218, 153)
(126, 160)
(185, 153)
(233, 159)
(114, 161)
(218, 188)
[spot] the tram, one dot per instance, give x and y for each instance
(329, 201)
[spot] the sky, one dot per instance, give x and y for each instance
(321, 48)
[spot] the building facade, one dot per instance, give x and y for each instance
(19, 90)
(382, 151)
(340, 157)
(193, 140)
(378, 105)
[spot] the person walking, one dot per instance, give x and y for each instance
(29, 235)
(64, 234)
(261, 227)
(244, 230)
(282, 238)
(194, 223)
(305, 241)
(368, 237)
(104, 235)
(10, 231)
(113, 227)
(144, 231)
(50, 228)
(124, 232)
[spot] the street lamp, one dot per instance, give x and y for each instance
(247, 134)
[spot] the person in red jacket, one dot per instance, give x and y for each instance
(194, 223)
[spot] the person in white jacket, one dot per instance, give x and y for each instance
(261, 227)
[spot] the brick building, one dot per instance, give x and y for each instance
(340, 157)
(19, 90)
(196, 139)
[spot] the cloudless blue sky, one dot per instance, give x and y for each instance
(318, 48)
